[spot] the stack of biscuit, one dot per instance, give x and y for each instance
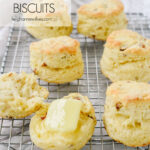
(125, 60)
(20, 96)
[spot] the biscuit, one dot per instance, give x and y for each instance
(127, 113)
(46, 139)
(99, 18)
(49, 24)
(20, 95)
(57, 60)
(126, 56)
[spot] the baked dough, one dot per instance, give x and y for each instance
(20, 95)
(126, 56)
(99, 18)
(127, 113)
(57, 60)
(48, 140)
(49, 24)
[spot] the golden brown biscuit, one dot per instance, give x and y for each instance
(47, 139)
(127, 113)
(126, 56)
(57, 60)
(99, 18)
(20, 95)
(51, 22)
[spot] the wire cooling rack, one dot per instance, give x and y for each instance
(14, 134)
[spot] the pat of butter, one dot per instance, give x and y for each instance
(63, 115)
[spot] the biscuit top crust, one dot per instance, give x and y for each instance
(63, 44)
(129, 92)
(128, 42)
(102, 8)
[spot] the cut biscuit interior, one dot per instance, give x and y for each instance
(20, 86)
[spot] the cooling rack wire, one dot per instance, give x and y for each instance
(14, 133)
